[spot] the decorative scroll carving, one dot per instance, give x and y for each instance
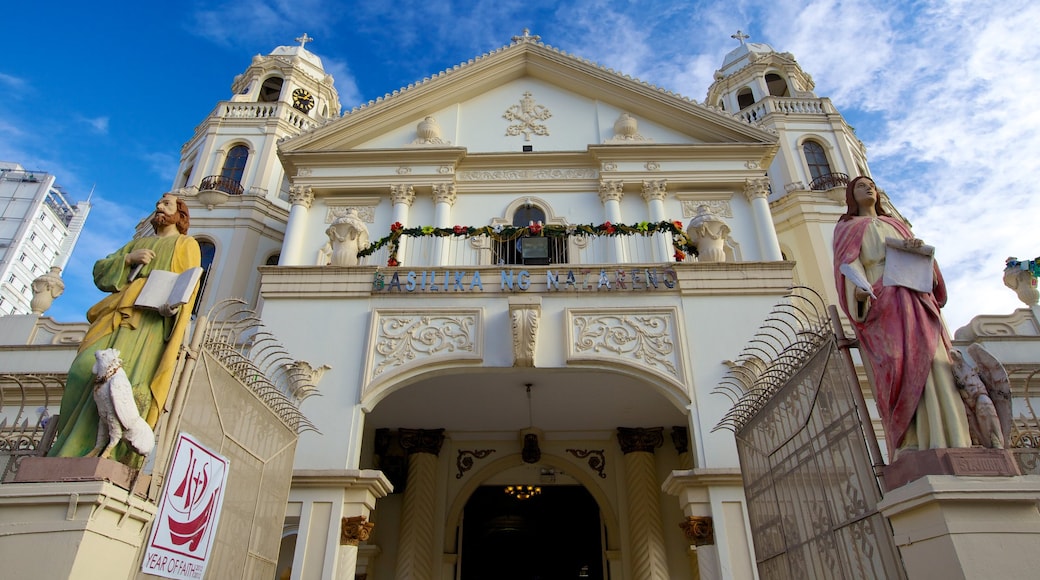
(597, 460)
(525, 319)
(301, 195)
(646, 338)
(634, 439)
(719, 207)
(464, 462)
(610, 190)
(444, 193)
(407, 337)
(446, 169)
(421, 440)
(609, 166)
(402, 170)
(304, 172)
(402, 194)
(527, 174)
(354, 530)
(681, 439)
(756, 187)
(699, 530)
(655, 189)
(526, 113)
(652, 166)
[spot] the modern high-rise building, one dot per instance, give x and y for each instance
(39, 227)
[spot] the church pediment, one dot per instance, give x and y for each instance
(527, 95)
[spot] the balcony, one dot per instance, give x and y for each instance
(829, 181)
(785, 106)
(647, 243)
(219, 183)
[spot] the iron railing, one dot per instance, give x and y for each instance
(829, 181)
(220, 183)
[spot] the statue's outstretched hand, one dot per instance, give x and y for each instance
(140, 256)
(168, 310)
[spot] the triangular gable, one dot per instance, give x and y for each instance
(469, 102)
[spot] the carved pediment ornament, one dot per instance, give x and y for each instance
(353, 530)
(525, 318)
(646, 338)
(626, 130)
(428, 132)
(526, 114)
(407, 338)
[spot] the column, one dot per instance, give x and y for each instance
(301, 197)
(648, 557)
(654, 192)
(401, 198)
(610, 192)
(415, 557)
(756, 190)
(353, 530)
(443, 199)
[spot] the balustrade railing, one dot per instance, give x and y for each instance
(783, 106)
(235, 110)
(829, 181)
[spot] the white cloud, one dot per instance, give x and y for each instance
(98, 124)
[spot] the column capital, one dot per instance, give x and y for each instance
(681, 439)
(699, 530)
(756, 187)
(301, 195)
(421, 440)
(444, 193)
(610, 190)
(654, 189)
(400, 193)
(353, 530)
(640, 439)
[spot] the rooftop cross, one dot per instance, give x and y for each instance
(303, 40)
(527, 37)
(740, 37)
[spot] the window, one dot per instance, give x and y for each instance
(32, 237)
(209, 251)
(271, 90)
(777, 85)
(553, 250)
(745, 98)
(816, 159)
(235, 164)
(22, 257)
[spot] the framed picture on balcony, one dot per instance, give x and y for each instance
(535, 250)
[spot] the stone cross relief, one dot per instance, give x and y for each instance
(527, 112)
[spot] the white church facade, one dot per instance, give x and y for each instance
(583, 366)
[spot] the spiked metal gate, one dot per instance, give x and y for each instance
(805, 451)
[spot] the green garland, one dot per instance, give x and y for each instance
(1031, 266)
(680, 241)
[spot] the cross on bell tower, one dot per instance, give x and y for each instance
(739, 37)
(303, 40)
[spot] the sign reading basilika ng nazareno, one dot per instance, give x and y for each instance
(579, 280)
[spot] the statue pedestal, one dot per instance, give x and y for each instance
(974, 461)
(75, 529)
(955, 527)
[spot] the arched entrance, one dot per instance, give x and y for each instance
(551, 535)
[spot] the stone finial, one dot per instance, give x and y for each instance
(45, 289)
(428, 132)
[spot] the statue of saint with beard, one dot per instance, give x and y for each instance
(148, 341)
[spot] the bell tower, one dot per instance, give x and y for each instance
(818, 151)
(230, 175)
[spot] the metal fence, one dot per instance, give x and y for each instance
(805, 452)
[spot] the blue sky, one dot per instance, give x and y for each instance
(104, 94)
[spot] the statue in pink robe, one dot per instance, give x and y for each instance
(900, 330)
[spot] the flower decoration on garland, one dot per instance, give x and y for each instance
(504, 233)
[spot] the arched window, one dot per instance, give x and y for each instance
(209, 251)
(745, 98)
(532, 249)
(235, 163)
(271, 90)
(777, 85)
(816, 159)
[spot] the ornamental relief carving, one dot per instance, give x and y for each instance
(367, 213)
(525, 320)
(403, 339)
(526, 114)
(645, 338)
(719, 207)
(527, 174)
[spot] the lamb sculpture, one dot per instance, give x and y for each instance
(118, 417)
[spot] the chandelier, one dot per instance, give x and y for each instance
(523, 491)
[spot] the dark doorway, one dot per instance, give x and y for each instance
(552, 536)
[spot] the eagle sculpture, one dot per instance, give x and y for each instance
(118, 417)
(986, 392)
